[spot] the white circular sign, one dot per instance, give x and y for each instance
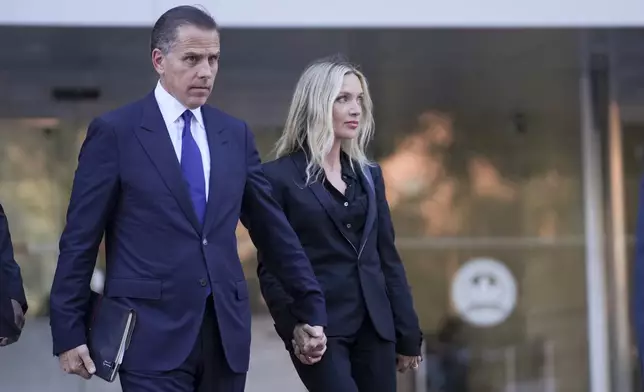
(484, 292)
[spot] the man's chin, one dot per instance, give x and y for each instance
(196, 102)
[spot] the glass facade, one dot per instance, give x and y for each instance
(480, 151)
(479, 140)
(478, 135)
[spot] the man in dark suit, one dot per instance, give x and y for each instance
(166, 179)
(13, 303)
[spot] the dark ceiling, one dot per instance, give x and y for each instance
(260, 67)
(34, 48)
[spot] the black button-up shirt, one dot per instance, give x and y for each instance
(353, 204)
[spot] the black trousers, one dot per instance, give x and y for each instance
(205, 369)
(363, 362)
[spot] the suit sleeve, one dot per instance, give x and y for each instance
(11, 275)
(408, 334)
(278, 301)
(94, 193)
(273, 236)
(638, 280)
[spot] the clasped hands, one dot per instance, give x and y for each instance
(309, 343)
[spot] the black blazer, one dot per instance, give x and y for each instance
(357, 281)
(10, 282)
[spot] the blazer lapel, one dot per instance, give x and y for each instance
(372, 210)
(216, 143)
(325, 199)
(153, 136)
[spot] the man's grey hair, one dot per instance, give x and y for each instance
(164, 32)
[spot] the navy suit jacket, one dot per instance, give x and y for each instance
(160, 261)
(638, 277)
(11, 286)
(367, 281)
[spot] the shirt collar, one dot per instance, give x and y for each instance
(171, 108)
(346, 168)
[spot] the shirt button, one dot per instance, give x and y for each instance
(203, 282)
(348, 225)
(346, 203)
(204, 242)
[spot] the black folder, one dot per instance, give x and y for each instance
(110, 328)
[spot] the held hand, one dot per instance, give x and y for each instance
(19, 320)
(77, 361)
(308, 359)
(404, 363)
(309, 343)
(309, 338)
(19, 316)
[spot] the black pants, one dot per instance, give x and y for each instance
(205, 369)
(360, 363)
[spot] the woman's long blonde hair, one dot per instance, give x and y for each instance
(309, 125)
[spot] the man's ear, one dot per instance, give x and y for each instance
(158, 61)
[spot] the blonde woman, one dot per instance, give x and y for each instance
(334, 198)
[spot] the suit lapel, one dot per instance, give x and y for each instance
(372, 210)
(321, 194)
(153, 136)
(216, 143)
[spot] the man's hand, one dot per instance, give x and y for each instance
(77, 361)
(18, 315)
(404, 363)
(19, 320)
(309, 343)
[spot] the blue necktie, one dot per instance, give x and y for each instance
(192, 168)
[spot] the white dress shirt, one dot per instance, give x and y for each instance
(171, 110)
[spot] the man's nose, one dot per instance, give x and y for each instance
(205, 71)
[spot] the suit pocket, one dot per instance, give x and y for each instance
(133, 288)
(242, 290)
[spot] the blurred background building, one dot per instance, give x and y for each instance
(509, 131)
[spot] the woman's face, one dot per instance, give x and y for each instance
(347, 108)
